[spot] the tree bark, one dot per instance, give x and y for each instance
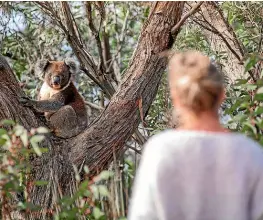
(222, 37)
(106, 136)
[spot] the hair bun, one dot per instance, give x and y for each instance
(196, 79)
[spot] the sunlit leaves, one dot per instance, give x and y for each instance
(251, 62)
(104, 175)
(35, 140)
(246, 109)
(97, 213)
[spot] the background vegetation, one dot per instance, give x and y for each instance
(29, 32)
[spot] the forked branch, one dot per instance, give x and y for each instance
(193, 10)
(96, 34)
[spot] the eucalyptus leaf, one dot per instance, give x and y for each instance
(97, 213)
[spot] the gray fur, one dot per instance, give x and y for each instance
(73, 68)
(40, 68)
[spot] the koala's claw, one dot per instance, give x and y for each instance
(25, 101)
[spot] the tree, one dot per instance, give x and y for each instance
(106, 136)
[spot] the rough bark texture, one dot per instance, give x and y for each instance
(122, 115)
(95, 146)
(222, 38)
(9, 95)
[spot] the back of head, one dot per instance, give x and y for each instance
(195, 81)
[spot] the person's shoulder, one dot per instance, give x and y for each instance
(249, 146)
(156, 146)
(246, 141)
(161, 140)
(162, 136)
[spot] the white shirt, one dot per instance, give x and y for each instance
(198, 175)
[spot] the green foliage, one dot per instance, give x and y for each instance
(246, 19)
(244, 104)
(27, 34)
(17, 146)
(15, 152)
(157, 117)
(86, 198)
(30, 35)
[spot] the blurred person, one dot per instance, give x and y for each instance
(199, 171)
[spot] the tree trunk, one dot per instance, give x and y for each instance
(106, 136)
(222, 38)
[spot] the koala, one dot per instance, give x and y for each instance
(60, 101)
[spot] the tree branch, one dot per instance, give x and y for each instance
(121, 41)
(86, 60)
(134, 149)
(184, 18)
(93, 79)
(217, 25)
(108, 134)
(95, 33)
(78, 47)
(261, 38)
(230, 29)
(215, 31)
(141, 82)
(139, 138)
(92, 105)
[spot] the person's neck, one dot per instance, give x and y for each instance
(206, 121)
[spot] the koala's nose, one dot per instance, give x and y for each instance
(56, 79)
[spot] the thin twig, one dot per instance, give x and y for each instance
(139, 137)
(95, 33)
(48, 9)
(229, 28)
(134, 149)
(215, 31)
(259, 64)
(261, 38)
(92, 105)
(80, 50)
(121, 40)
(184, 18)
(94, 80)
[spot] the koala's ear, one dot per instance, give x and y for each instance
(40, 68)
(73, 68)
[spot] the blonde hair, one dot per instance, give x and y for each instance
(195, 80)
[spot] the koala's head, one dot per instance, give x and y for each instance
(56, 73)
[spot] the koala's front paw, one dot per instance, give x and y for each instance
(25, 101)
